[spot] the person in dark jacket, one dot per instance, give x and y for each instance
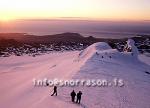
(79, 97)
(73, 94)
(55, 91)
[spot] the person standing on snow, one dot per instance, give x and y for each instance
(73, 94)
(79, 97)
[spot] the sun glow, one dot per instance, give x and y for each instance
(96, 9)
(6, 18)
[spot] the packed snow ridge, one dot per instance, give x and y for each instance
(95, 48)
(103, 50)
(98, 61)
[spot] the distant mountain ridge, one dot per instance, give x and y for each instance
(23, 37)
(64, 37)
(23, 43)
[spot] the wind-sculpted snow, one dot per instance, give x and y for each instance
(96, 47)
(131, 45)
(98, 61)
(104, 52)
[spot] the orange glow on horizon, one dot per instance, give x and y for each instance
(80, 9)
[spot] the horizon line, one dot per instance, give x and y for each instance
(76, 19)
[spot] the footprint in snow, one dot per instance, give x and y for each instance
(53, 66)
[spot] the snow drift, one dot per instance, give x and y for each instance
(93, 49)
(103, 52)
(130, 47)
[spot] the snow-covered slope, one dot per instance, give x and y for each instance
(88, 52)
(17, 73)
(109, 64)
(98, 61)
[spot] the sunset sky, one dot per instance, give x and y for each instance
(81, 9)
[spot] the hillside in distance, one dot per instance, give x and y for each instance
(76, 37)
(23, 43)
(27, 38)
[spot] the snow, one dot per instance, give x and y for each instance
(131, 45)
(91, 50)
(98, 61)
(144, 58)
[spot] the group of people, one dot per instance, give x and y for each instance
(72, 94)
